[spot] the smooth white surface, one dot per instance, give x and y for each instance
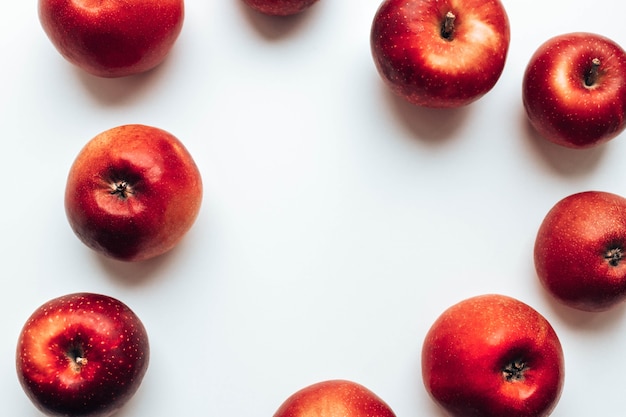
(338, 221)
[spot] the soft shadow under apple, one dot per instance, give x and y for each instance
(427, 124)
(561, 160)
(432, 408)
(277, 27)
(122, 90)
(592, 322)
(133, 274)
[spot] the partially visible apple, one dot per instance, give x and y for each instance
(112, 38)
(133, 192)
(82, 354)
(493, 356)
(334, 398)
(574, 90)
(580, 250)
(280, 7)
(440, 53)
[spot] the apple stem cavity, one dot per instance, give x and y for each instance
(592, 75)
(447, 27)
(515, 370)
(121, 189)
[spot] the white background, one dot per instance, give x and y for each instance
(338, 221)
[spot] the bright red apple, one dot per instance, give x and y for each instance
(334, 398)
(82, 354)
(574, 90)
(133, 192)
(493, 356)
(280, 7)
(112, 38)
(440, 53)
(580, 249)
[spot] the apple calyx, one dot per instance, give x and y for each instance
(122, 189)
(515, 370)
(592, 75)
(447, 26)
(614, 256)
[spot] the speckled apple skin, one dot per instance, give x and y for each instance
(467, 347)
(334, 398)
(417, 63)
(570, 248)
(559, 105)
(280, 7)
(114, 342)
(164, 204)
(112, 38)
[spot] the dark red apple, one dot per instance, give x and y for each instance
(574, 90)
(334, 398)
(112, 38)
(82, 354)
(280, 7)
(580, 248)
(133, 192)
(440, 53)
(493, 356)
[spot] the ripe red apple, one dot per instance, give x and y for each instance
(82, 354)
(580, 248)
(493, 356)
(334, 398)
(280, 7)
(574, 90)
(112, 38)
(440, 53)
(133, 192)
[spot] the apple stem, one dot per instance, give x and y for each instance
(447, 28)
(78, 363)
(592, 75)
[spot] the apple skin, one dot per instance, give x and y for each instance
(133, 192)
(105, 333)
(334, 398)
(280, 7)
(428, 69)
(579, 251)
(112, 38)
(492, 356)
(558, 102)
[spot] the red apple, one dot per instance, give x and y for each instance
(280, 7)
(334, 398)
(112, 38)
(493, 356)
(440, 53)
(133, 192)
(82, 354)
(580, 248)
(574, 90)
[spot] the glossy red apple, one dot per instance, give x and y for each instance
(82, 354)
(112, 38)
(580, 248)
(493, 356)
(440, 53)
(334, 398)
(280, 7)
(133, 192)
(574, 90)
